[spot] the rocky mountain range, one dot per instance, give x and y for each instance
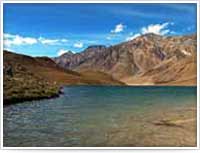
(146, 60)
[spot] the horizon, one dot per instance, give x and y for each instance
(12, 51)
(35, 33)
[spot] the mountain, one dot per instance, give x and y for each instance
(27, 78)
(146, 60)
(70, 60)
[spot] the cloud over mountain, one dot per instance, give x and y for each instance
(63, 51)
(78, 45)
(159, 29)
(118, 28)
(10, 39)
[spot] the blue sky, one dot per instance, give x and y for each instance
(52, 29)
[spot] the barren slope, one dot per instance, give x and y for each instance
(147, 59)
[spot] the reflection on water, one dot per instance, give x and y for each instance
(104, 116)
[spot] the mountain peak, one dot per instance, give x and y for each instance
(69, 53)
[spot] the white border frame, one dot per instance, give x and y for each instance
(102, 1)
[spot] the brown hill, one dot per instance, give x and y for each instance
(27, 78)
(147, 59)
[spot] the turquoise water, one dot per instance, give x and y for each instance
(95, 116)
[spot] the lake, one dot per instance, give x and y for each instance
(120, 116)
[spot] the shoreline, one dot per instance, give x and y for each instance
(13, 101)
(60, 92)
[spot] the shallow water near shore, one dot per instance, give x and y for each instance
(104, 116)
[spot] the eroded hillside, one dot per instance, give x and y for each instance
(146, 60)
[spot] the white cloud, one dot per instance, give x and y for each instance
(118, 28)
(133, 36)
(62, 51)
(7, 42)
(46, 41)
(64, 40)
(159, 29)
(7, 36)
(10, 39)
(78, 45)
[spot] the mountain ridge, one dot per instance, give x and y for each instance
(130, 59)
